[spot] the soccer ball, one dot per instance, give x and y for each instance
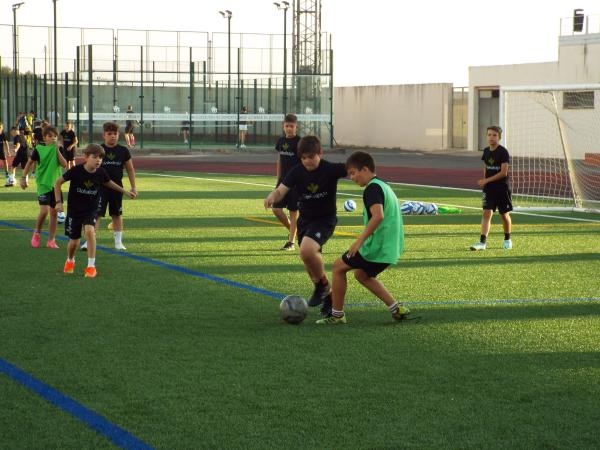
(349, 206)
(431, 208)
(293, 309)
(406, 208)
(418, 208)
(60, 217)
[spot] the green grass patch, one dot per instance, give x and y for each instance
(184, 362)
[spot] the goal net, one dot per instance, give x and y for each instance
(553, 136)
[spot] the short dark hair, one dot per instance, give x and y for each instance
(94, 149)
(309, 145)
(110, 126)
(495, 128)
(358, 160)
(48, 130)
(290, 118)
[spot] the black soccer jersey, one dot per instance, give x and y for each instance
(288, 155)
(68, 138)
(316, 189)
(20, 139)
(493, 163)
(3, 138)
(84, 190)
(373, 195)
(114, 160)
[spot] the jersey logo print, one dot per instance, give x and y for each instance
(490, 161)
(285, 146)
(312, 188)
(110, 156)
(88, 184)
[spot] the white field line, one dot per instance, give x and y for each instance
(271, 186)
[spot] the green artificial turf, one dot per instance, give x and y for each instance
(185, 362)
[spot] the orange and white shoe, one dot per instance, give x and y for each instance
(69, 266)
(90, 272)
(52, 244)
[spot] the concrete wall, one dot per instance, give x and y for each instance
(416, 116)
(578, 63)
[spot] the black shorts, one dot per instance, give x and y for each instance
(185, 129)
(69, 155)
(370, 268)
(497, 198)
(20, 159)
(48, 199)
(2, 156)
(290, 201)
(111, 199)
(128, 128)
(74, 224)
(319, 230)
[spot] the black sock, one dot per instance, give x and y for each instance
(482, 239)
(506, 236)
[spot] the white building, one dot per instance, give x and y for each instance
(578, 64)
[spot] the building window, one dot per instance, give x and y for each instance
(578, 100)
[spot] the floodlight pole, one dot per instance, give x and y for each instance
(284, 6)
(227, 15)
(55, 103)
(16, 55)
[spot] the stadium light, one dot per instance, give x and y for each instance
(16, 54)
(55, 107)
(284, 6)
(227, 15)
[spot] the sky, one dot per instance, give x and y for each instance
(374, 41)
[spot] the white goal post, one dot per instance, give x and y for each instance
(553, 136)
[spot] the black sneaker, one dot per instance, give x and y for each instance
(319, 294)
(288, 246)
(326, 306)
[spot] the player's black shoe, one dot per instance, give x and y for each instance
(321, 291)
(288, 246)
(326, 306)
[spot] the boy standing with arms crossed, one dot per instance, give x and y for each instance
(287, 147)
(86, 181)
(380, 244)
(116, 158)
(316, 182)
(49, 160)
(496, 193)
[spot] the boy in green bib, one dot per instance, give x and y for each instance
(49, 160)
(379, 244)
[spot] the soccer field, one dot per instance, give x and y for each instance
(178, 341)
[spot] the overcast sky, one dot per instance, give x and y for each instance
(375, 41)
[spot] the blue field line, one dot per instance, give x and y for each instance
(116, 434)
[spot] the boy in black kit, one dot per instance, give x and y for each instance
(4, 153)
(287, 147)
(69, 144)
(21, 154)
(316, 182)
(496, 193)
(117, 157)
(86, 180)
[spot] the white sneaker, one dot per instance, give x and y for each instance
(478, 246)
(507, 245)
(83, 246)
(120, 246)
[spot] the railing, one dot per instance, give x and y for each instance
(580, 25)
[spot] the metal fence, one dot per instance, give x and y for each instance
(169, 87)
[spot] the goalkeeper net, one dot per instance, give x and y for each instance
(553, 137)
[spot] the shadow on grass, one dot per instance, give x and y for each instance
(496, 260)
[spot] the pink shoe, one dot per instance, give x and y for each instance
(35, 240)
(52, 244)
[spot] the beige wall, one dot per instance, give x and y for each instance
(578, 63)
(415, 116)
